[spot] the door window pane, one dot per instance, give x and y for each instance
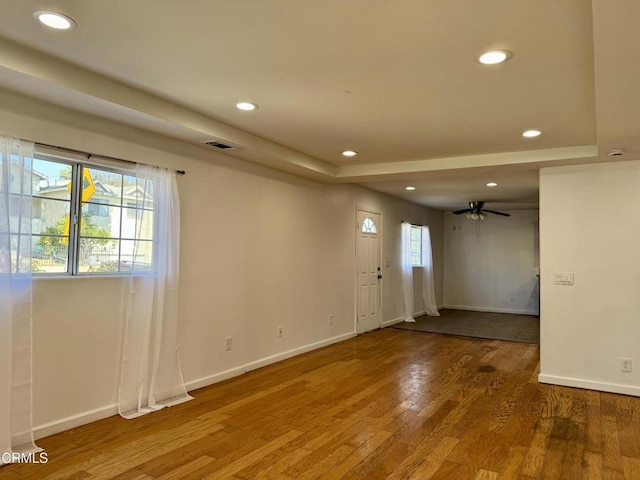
(369, 226)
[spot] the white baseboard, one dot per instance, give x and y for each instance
(67, 423)
(393, 321)
(297, 351)
(215, 378)
(493, 310)
(590, 384)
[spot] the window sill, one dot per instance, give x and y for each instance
(75, 277)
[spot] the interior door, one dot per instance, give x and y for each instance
(369, 239)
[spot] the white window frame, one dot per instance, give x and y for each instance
(417, 252)
(75, 211)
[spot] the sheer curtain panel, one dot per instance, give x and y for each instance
(428, 288)
(16, 177)
(151, 377)
(407, 272)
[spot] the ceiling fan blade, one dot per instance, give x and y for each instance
(497, 213)
(460, 212)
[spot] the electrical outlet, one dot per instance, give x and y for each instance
(330, 319)
(625, 364)
(228, 345)
(280, 330)
(512, 299)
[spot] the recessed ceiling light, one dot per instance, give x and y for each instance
(349, 153)
(54, 20)
(247, 106)
(492, 184)
(409, 188)
(494, 57)
(531, 133)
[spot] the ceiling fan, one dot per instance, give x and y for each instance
(477, 212)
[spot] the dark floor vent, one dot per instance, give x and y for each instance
(221, 146)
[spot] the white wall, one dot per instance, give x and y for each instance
(590, 226)
(260, 249)
(495, 269)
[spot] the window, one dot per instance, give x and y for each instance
(416, 246)
(369, 226)
(89, 219)
(96, 207)
(131, 211)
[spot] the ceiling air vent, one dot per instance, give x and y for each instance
(219, 145)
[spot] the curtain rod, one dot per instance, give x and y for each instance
(91, 155)
(414, 224)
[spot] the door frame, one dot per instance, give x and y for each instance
(355, 267)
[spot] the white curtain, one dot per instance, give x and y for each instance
(428, 289)
(407, 273)
(151, 377)
(16, 432)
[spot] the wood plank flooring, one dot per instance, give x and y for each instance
(391, 404)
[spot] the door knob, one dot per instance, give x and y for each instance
(379, 276)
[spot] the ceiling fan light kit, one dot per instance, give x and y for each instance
(476, 211)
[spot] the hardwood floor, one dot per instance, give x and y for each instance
(391, 404)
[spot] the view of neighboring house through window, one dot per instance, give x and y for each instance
(416, 246)
(89, 219)
(97, 209)
(50, 209)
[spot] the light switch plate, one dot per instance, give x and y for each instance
(563, 278)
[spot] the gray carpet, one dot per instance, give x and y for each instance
(498, 326)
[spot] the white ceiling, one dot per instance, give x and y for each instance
(398, 81)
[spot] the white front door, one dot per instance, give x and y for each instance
(369, 239)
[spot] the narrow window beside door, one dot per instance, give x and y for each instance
(416, 246)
